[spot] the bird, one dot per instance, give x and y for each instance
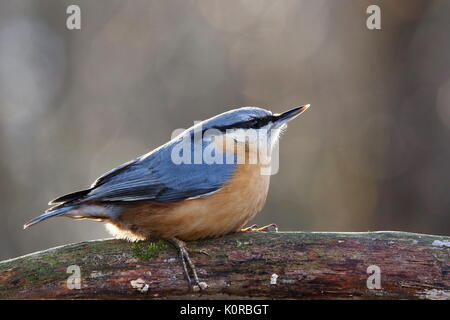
(208, 181)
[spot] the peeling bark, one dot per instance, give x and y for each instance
(285, 265)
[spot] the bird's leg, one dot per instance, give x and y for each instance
(253, 228)
(186, 261)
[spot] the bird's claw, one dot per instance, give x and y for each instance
(202, 251)
(249, 229)
(254, 228)
(195, 284)
(200, 286)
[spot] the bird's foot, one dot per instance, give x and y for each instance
(254, 228)
(195, 284)
(203, 251)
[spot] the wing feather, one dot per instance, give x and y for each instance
(156, 177)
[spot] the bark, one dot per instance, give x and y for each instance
(285, 265)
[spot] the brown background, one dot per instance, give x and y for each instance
(372, 153)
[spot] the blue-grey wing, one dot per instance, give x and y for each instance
(156, 177)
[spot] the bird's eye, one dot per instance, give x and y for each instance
(254, 122)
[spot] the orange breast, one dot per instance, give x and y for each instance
(225, 211)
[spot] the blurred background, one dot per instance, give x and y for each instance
(372, 153)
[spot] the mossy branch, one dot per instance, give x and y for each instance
(298, 265)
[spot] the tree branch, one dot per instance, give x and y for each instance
(298, 264)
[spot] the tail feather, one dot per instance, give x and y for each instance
(70, 197)
(48, 214)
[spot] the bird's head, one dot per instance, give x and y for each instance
(237, 123)
(252, 118)
(248, 133)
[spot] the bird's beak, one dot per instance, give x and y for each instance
(282, 118)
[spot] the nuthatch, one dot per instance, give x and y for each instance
(197, 185)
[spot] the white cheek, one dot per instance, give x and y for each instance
(243, 135)
(275, 135)
(265, 136)
(235, 135)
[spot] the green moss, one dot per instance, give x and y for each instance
(145, 250)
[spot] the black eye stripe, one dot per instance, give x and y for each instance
(255, 123)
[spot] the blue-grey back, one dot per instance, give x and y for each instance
(157, 177)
